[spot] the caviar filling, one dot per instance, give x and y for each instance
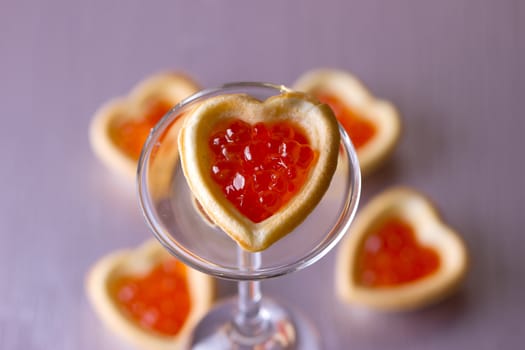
(159, 301)
(259, 167)
(392, 256)
(358, 128)
(129, 135)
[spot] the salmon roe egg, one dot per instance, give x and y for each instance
(159, 301)
(259, 168)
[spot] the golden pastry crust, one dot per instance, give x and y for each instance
(169, 87)
(106, 271)
(353, 93)
(418, 211)
(314, 119)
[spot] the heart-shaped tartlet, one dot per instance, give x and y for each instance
(399, 255)
(149, 298)
(373, 125)
(120, 127)
(259, 168)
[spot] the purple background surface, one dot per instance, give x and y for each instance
(455, 69)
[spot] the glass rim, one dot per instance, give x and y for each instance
(336, 232)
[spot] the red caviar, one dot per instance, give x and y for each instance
(159, 301)
(391, 256)
(359, 129)
(259, 168)
(129, 135)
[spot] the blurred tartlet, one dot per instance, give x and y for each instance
(373, 125)
(120, 127)
(147, 297)
(399, 255)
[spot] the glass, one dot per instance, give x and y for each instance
(248, 321)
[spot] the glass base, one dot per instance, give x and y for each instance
(280, 329)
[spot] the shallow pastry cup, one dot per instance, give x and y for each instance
(315, 120)
(349, 90)
(100, 281)
(413, 208)
(169, 87)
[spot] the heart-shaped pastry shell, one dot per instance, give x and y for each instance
(315, 120)
(168, 87)
(109, 269)
(416, 210)
(350, 91)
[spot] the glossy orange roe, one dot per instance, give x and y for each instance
(159, 301)
(391, 256)
(359, 129)
(259, 168)
(129, 135)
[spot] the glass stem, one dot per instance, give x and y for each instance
(250, 321)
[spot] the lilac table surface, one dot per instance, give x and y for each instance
(455, 69)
